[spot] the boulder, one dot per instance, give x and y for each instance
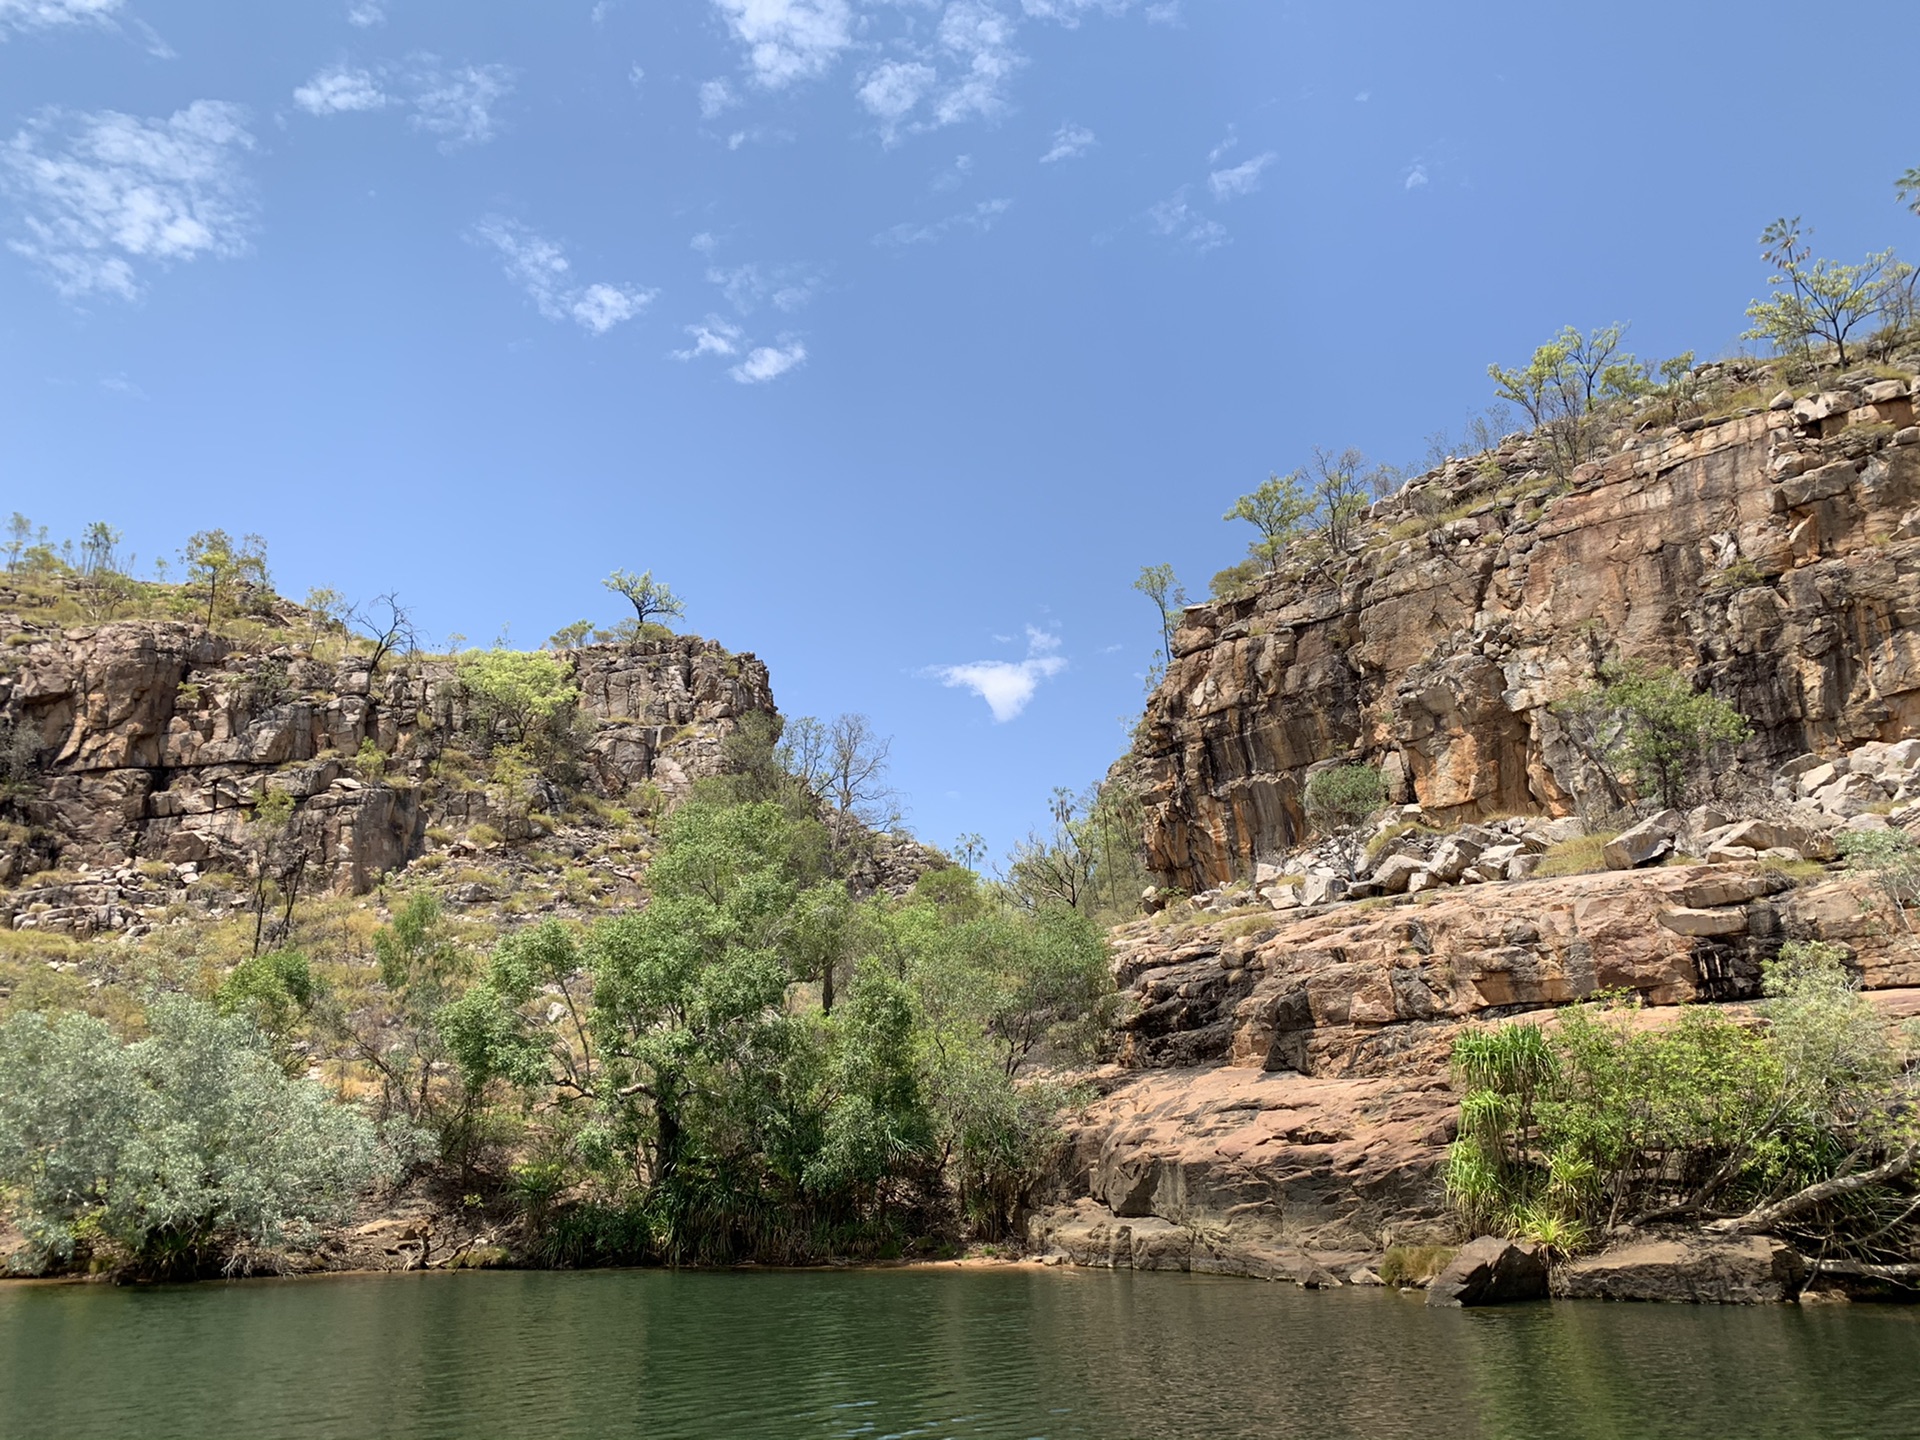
(1394, 874)
(1650, 840)
(1322, 886)
(1491, 1271)
(1689, 1269)
(1454, 855)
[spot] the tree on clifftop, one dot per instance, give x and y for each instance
(1817, 299)
(218, 565)
(1908, 185)
(647, 596)
(1158, 584)
(1279, 510)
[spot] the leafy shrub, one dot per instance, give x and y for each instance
(173, 1152)
(1414, 1264)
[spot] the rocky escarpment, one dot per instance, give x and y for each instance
(157, 740)
(1775, 552)
(1281, 1105)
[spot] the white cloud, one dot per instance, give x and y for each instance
(1416, 176)
(769, 362)
(1179, 221)
(980, 218)
(1068, 12)
(713, 336)
(893, 90)
(600, 11)
(704, 242)
(982, 38)
(1232, 139)
(716, 98)
(1363, 97)
(539, 266)
(1007, 685)
(100, 192)
(787, 287)
(1242, 179)
(365, 14)
(45, 14)
(789, 40)
(1069, 141)
(636, 77)
(600, 306)
(341, 89)
(457, 104)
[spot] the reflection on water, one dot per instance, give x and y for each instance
(1015, 1353)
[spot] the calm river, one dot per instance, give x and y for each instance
(1014, 1353)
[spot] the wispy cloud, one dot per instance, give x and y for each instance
(1242, 179)
(46, 14)
(716, 98)
(712, 336)
(341, 89)
(1416, 176)
(101, 193)
(1069, 141)
(747, 287)
(365, 14)
(769, 362)
(788, 40)
(1181, 223)
(1007, 685)
(456, 104)
(981, 218)
(1231, 139)
(540, 267)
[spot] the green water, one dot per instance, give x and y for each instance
(1009, 1353)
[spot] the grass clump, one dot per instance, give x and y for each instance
(1414, 1264)
(1582, 855)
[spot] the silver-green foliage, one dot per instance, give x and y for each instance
(168, 1154)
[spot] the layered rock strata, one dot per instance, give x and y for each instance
(1775, 552)
(157, 741)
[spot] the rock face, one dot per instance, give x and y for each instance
(1739, 1270)
(157, 740)
(1776, 553)
(1491, 1271)
(1281, 1103)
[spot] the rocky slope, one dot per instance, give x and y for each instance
(148, 746)
(1279, 1102)
(1775, 550)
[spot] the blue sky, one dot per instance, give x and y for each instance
(896, 334)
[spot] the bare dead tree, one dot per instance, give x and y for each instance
(389, 625)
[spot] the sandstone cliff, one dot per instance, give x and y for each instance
(1776, 551)
(157, 740)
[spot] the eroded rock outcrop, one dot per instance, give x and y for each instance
(1776, 552)
(157, 740)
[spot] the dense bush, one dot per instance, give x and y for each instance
(1801, 1121)
(171, 1153)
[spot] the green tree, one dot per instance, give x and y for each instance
(1559, 387)
(1659, 731)
(1279, 510)
(1158, 584)
(1338, 801)
(219, 565)
(1908, 189)
(1817, 299)
(99, 550)
(515, 693)
(172, 1154)
(570, 637)
(19, 536)
(649, 597)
